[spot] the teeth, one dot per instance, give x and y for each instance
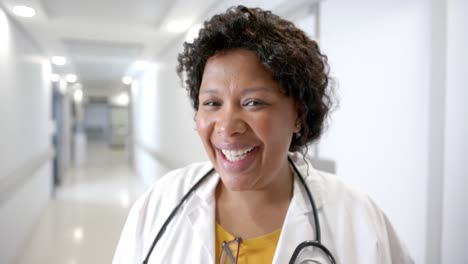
(236, 155)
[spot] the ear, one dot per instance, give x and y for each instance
(297, 126)
(298, 122)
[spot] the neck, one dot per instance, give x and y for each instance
(277, 191)
(262, 210)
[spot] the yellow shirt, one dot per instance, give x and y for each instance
(256, 250)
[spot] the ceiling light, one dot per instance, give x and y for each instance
(78, 95)
(127, 80)
(71, 78)
(193, 33)
(59, 60)
(178, 26)
(78, 234)
(5, 34)
(141, 64)
(54, 77)
(122, 99)
(72, 261)
(124, 199)
(24, 11)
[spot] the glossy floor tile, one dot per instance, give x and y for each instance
(82, 223)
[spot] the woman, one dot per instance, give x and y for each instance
(260, 90)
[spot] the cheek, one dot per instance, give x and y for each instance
(203, 125)
(275, 129)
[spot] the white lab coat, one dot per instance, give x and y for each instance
(353, 228)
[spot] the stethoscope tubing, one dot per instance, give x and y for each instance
(318, 236)
(314, 243)
(173, 213)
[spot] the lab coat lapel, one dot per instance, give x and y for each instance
(202, 218)
(299, 224)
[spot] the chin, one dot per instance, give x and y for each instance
(235, 185)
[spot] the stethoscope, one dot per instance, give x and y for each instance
(308, 243)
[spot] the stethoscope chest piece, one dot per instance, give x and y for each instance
(311, 252)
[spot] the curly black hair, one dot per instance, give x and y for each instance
(293, 59)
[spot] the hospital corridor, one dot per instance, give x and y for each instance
(82, 222)
(93, 113)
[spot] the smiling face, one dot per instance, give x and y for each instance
(245, 122)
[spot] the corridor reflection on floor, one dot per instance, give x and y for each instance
(83, 223)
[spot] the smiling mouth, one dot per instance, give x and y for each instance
(236, 155)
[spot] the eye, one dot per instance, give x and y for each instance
(211, 103)
(254, 103)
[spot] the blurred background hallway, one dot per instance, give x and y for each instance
(82, 224)
(92, 113)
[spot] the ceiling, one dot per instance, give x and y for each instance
(102, 38)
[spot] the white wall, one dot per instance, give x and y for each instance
(25, 134)
(164, 124)
(379, 52)
(436, 131)
(455, 203)
(177, 116)
(384, 55)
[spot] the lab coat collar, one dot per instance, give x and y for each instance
(206, 191)
(313, 181)
(201, 214)
(299, 225)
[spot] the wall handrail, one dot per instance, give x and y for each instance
(13, 181)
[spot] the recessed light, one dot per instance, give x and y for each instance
(78, 234)
(78, 95)
(193, 33)
(59, 60)
(127, 80)
(71, 78)
(122, 99)
(141, 64)
(24, 11)
(54, 77)
(124, 199)
(178, 26)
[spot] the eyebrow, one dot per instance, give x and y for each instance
(244, 91)
(256, 89)
(208, 91)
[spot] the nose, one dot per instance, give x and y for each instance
(230, 122)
